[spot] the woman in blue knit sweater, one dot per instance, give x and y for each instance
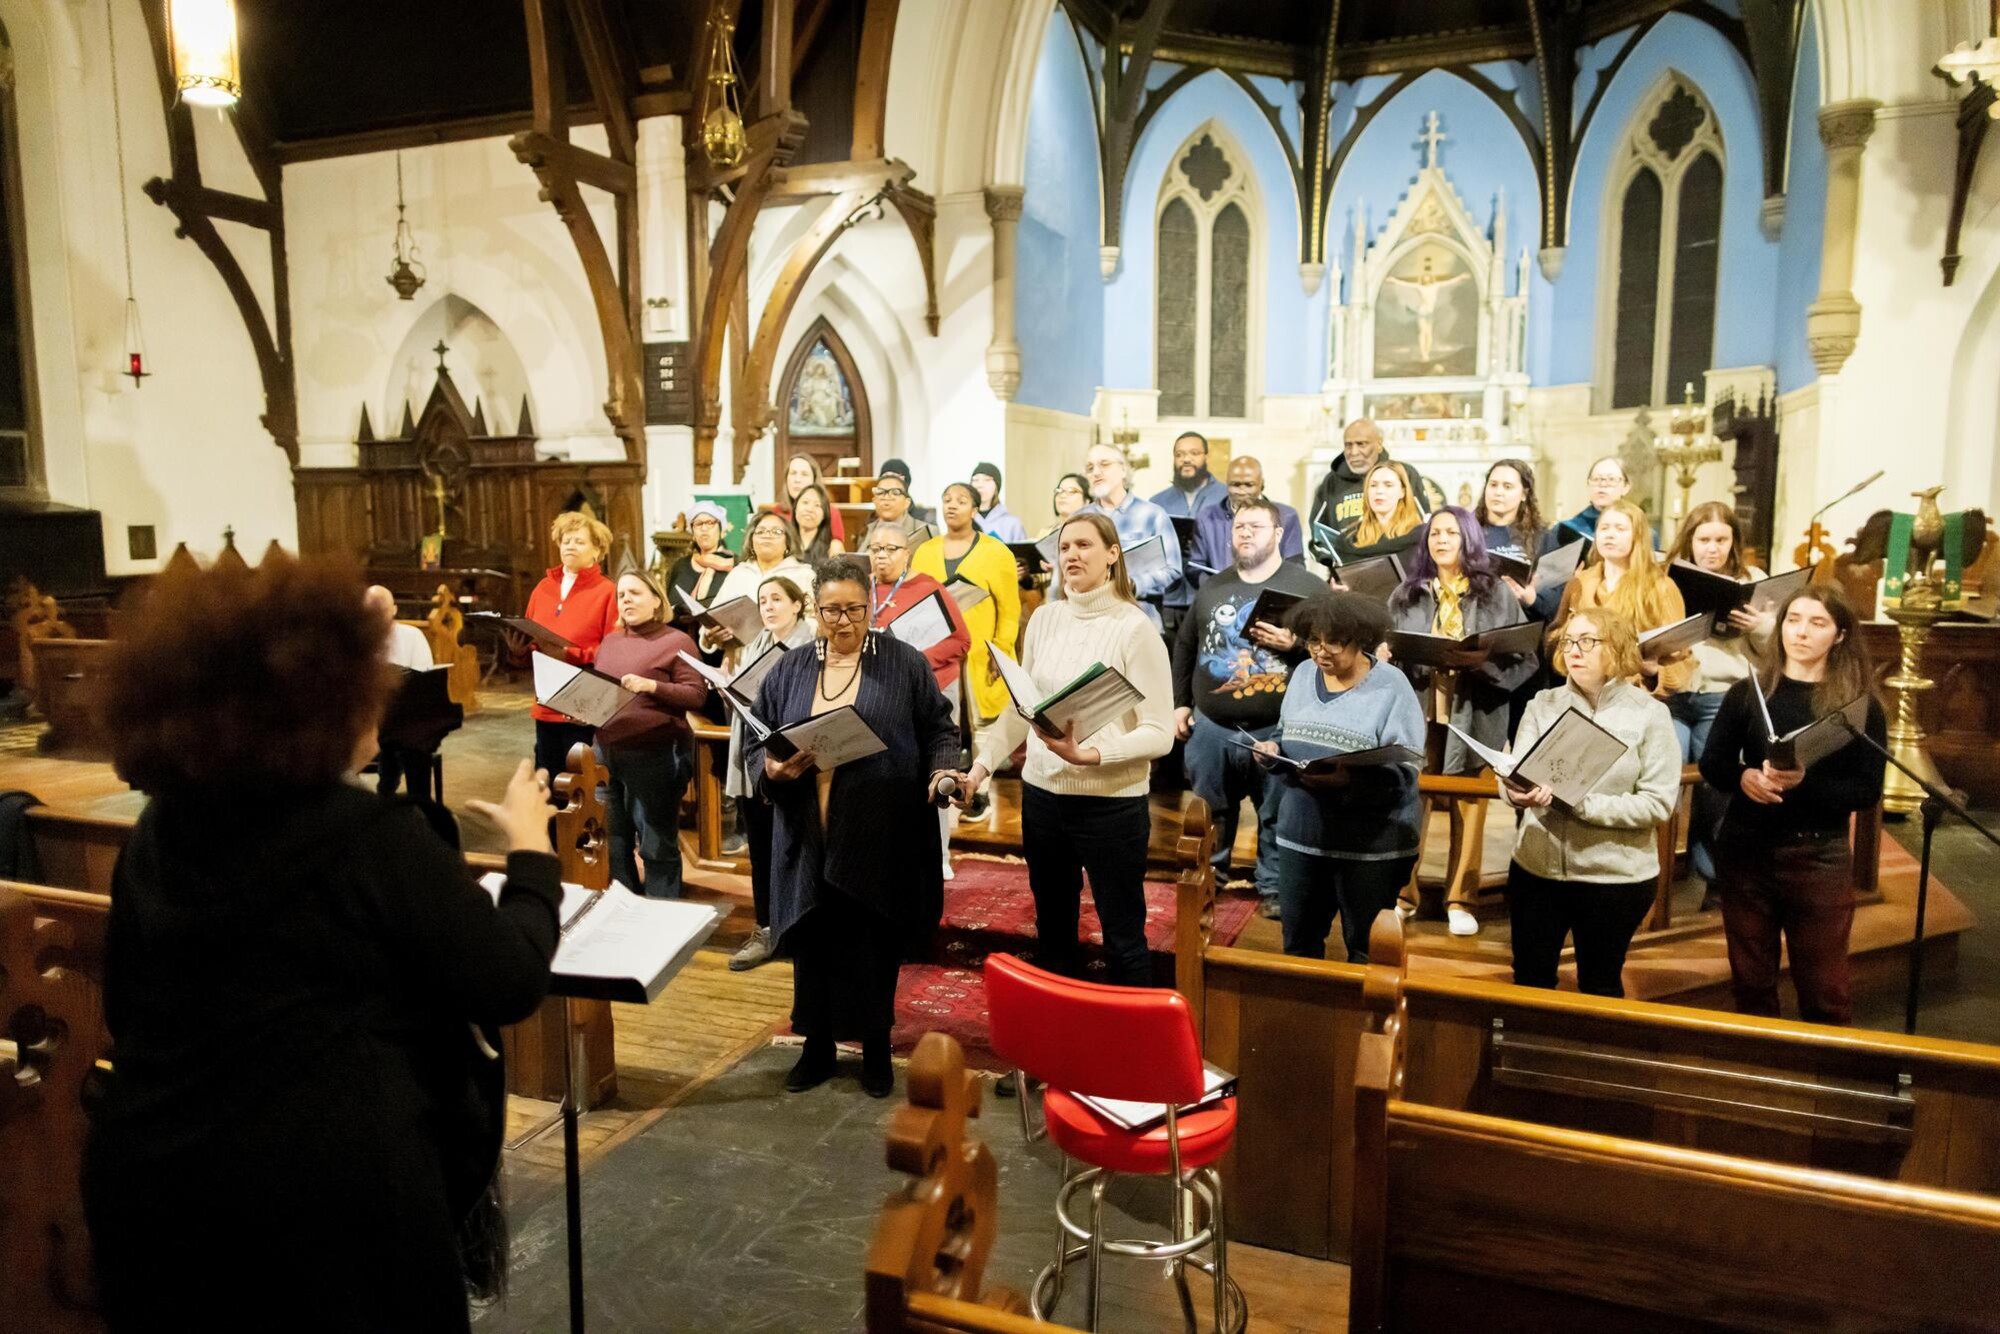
(1348, 841)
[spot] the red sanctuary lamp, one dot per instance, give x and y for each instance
(135, 345)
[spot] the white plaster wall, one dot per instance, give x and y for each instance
(1042, 445)
(186, 452)
(486, 238)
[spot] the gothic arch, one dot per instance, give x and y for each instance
(852, 434)
(1209, 225)
(1671, 143)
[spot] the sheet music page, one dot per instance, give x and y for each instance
(1216, 1084)
(835, 738)
(1095, 706)
(740, 617)
(1496, 761)
(551, 675)
(626, 937)
(688, 601)
(1020, 686)
(1767, 595)
(715, 676)
(966, 594)
(590, 697)
(1570, 758)
(1145, 559)
(1681, 635)
(746, 682)
(1555, 569)
(922, 625)
(575, 898)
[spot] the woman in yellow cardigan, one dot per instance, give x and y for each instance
(964, 553)
(1623, 576)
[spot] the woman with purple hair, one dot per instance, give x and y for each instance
(1452, 590)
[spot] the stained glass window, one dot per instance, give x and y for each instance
(1691, 345)
(1205, 284)
(1228, 313)
(1638, 293)
(1174, 370)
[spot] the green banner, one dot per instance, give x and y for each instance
(1896, 560)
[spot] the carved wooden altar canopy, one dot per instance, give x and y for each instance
(489, 495)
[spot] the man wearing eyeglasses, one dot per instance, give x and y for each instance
(892, 506)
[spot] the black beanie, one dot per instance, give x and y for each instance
(988, 470)
(896, 466)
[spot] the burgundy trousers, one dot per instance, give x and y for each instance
(1800, 890)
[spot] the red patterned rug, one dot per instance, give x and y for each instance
(988, 908)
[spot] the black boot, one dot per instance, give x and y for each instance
(815, 1066)
(878, 1074)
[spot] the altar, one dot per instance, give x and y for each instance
(1428, 337)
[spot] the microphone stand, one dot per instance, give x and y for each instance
(1936, 802)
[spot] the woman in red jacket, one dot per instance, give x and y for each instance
(577, 602)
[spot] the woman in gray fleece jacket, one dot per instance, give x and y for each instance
(1589, 870)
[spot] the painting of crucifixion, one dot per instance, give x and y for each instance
(1427, 316)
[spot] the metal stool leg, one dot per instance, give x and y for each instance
(1177, 1267)
(1062, 1248)
(1216, 1225)
(1096, 1249)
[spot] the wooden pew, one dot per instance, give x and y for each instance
(1915, 1110)
(443, 627)
(78, 852)
(51, 1026)
(66, 674)
(1536, 1228)
(928, 1258)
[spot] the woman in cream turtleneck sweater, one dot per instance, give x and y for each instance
(1083, 799)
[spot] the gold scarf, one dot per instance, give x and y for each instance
(1450, 618)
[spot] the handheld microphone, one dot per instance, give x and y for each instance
(947, 788)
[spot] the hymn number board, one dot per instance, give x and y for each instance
(669, 385)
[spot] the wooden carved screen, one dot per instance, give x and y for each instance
(823, 408)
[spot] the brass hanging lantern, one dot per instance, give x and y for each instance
(407, 273)
(202, 36)
(722, 134)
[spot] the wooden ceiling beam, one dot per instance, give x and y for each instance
(871, 78)
(1124, 82)
(196, 210)
(613, 79)
(594, 169)
(1316, 159)
(1553, 26)
(548, 74)
(811, 18)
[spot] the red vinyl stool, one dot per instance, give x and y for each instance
(1133, 1044)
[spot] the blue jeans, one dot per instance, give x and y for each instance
(1318, 889)
(1224, 776)
(644, 810)
(1694, 713)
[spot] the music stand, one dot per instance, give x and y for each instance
(1932, 811)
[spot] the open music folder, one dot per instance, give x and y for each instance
(1558, 567)
(1371, 576)
(582, 693)
(1718, 594)
(544, 638)
(1682, 635)
(836, 737)
(1568, 759)
(1098, 696)
(924, 624)
(738, 691)
(617, 945)
(1317, 761)
(1802, 747)
(1417, 649)
(739, 615)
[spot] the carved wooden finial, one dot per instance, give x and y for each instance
(581, 844)
(936, 1232)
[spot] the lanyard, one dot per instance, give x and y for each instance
(874, 607)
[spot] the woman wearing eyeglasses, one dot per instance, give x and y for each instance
(1589, 871)
(1608, 483)
(854, 853)
(1347, 841)
(1083, 798)
(772, 550)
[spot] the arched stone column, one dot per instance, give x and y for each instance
(1833, 323)
(1003, 353)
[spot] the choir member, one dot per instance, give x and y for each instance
(1347, 840)
(1072, 493)
(1389, 517)
(1510, 518)
(1194, 487)
(1589, 871)
(700, 572)
(648, 746)
(291, 966)
(772, 551)
(963, 553)
(812, 529)
(1214, 536)
(994, 516)
(1623, 576)
(1608, 484)
(1083, 798)
(893, 505)
(1229, 679)
(854, 852)
(1109, 473)
(409, 649)
(899, 588)
(577, 602)
(1782, 865)
(1711, 539)
(1337, 502)
(1452, 590)
(802, 472)
(781, 605)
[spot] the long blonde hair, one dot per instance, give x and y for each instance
(1641, 594)
(1404, 518)
(1107, 532)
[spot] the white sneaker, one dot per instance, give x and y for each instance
(949, 874)
(1463, 923)
(1405, 910)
